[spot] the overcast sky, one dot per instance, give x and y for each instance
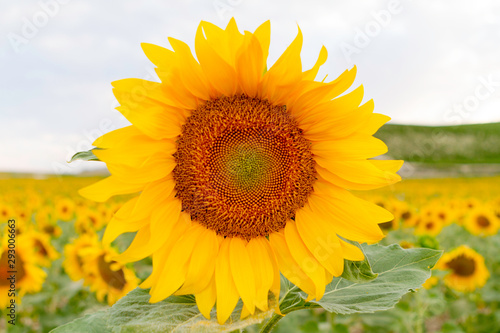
(423, 62)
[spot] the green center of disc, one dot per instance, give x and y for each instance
(247, 166)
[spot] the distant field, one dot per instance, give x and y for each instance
(471, 144)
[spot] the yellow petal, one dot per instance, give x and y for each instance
(388, 165)
(155, 167)
(340, 182)
(375, 121)
(125, 211)
(192, 76)
(108, 187)
(353, 225)
(163, 220)
(206, 298)
(244, 312)
(168, 69)
(351, 252)
(227, 294)
(286, 71)
(350, 148)
(343, 197)
(276, 285)
(160, 256)
(288, 266)
(263, 35)
(153, 120)
(176, 266)
(361, 172)
(311, 73)
(263, 270)
(250, 65)
(166, 215)
(138, 249)
(234, 40)
(335, 112)
(115, 138)
(321, 239)
(305, 259)
(153, 194)
(117, 227)
(202, 264)
(133, 150)
(163, 58)
(219, 73)
(243, 274)
(217, 39)
(322, 92)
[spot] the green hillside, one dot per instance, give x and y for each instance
(478, 143)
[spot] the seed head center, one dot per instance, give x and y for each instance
(462, 265)
(243, 166)
(247, 166)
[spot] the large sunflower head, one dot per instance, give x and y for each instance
(243, 172)
(466, 267)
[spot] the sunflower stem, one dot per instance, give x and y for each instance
(271, 323)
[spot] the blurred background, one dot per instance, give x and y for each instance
(432, 66)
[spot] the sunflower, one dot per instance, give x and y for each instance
(88, 221)
(406, 244)
(45, 223)
(482, 221)
(406, 214)
(23, 214)
(430, 282)
(431, 226)
(467, 269)
(6, 211)
(44, 252)
(106, 277)
(243, 172)
(73, 258)
(29, 277)
(445, 214)
(65, 209)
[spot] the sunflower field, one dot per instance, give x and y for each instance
(249, 191)
(67, 273)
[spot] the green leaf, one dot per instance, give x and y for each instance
(91, 323)
(358, 271)
(134, 313)
(371, 285)
(399, 271)
(85, 156)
